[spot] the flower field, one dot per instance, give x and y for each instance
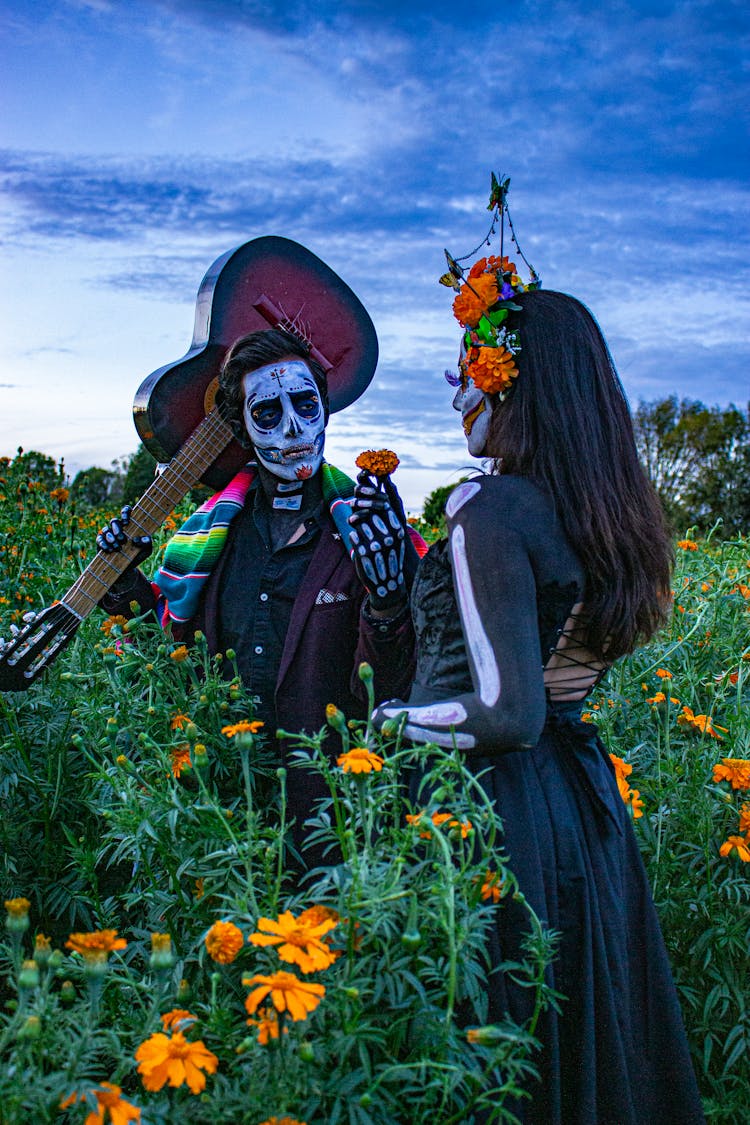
(163, 960)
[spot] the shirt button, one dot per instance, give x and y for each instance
(258, 650)
(264, 597)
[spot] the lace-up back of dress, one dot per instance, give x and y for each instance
(571, 669)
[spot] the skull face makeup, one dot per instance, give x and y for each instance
(475, 408)
(284, 418)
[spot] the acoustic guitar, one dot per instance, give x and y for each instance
(269, 282)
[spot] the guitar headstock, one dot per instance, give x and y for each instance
(34, 647)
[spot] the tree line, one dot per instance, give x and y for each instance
(697, 456)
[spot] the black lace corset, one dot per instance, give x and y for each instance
(442, 664)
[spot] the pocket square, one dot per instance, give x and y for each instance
(326, 597)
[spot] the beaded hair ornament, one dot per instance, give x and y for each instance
(484, 302)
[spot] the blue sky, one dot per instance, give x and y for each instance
(142, 140)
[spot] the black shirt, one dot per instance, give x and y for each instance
(259, 588)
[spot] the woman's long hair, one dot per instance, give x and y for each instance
(566, 424)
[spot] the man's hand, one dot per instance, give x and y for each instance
(379, 540)
(112, 538)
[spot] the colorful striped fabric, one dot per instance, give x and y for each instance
(192, 551)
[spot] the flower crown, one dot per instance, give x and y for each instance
(484, 302)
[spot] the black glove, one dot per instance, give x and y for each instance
(379, 539)
(113, 538)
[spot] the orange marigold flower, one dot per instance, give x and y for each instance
(111, 1106)
(360, 760)
(243, 727)
(623, 769)
(179, 654)
(734, 770)
(180, 758)
(282, 1121)
(737, 844)
(177, 1020)
(288, 994)
(178, 721)
(42, 944)
(175, 1060)
(471, 303)
(495, 263)
(378, 462)
(224, 941)
(703, 724)
(96, 946)
(18, 907)
(314, 915)
(663, 674)
(687, 545)
(492, 886)
(635, 802)
(299, 942)
(60, 494)
(110, 622)
(493, 370)
(447, 820)
(745, 819)
(267, 1024)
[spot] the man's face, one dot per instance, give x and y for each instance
(283, 415)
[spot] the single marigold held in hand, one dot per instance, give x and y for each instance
(111, 1106)
(288, 994)
(360, 760)
(96, 946)
(492, 369)
(472, 303)
(224, 941)
(175, 1060)
(378, 462)
(297, 942)
(734, 770)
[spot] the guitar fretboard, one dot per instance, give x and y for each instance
(184, 470)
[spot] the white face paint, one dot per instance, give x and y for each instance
(475, 408)
(284, 417)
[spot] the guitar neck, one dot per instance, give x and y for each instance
(184, 470)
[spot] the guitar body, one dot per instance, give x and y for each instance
(268, 282)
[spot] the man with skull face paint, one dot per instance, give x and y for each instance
(284, 593)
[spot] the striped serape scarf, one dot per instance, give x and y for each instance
(192, 552)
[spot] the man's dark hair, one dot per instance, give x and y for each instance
(254, 351)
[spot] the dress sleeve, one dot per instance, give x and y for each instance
(495, 591)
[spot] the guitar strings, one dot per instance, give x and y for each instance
(203, 446)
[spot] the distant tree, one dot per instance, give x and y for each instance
(433, 511)
(697, 458)
(96, 488)
(139, 472)
(39, 467)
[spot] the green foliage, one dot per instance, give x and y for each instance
(703, 897)
(98, 832)
(698, 459)
(126, 805)
(433, 512)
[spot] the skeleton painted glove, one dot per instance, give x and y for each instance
(112, 538)
(379, 541)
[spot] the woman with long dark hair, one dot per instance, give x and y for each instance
(557, 562)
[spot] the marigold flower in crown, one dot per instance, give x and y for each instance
(484, 305)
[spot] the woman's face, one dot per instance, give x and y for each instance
(475, 409)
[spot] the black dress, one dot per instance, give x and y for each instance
(617, 1053)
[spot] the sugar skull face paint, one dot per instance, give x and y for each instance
(475, 409)
(284, 418)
